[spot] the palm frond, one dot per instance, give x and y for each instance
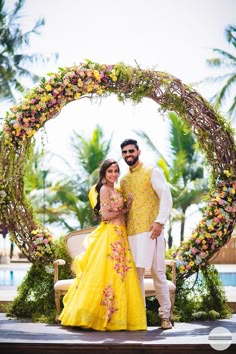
(224, 92)
(226, 56)
(229, 33)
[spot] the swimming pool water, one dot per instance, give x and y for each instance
(11, 277)
(228, 279)
(15, 277)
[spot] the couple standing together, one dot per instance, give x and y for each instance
(108, 292)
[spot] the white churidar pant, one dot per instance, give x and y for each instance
(150, 254)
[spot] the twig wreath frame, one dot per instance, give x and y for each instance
(44, 102)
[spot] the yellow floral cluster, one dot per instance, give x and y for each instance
(213, 229)
(46, 101)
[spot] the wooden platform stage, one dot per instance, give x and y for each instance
(25, 337)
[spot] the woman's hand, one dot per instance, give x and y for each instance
(128, 204)
(129, 201)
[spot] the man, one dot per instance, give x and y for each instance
(152, 203)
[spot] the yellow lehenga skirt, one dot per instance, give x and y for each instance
(106, 293)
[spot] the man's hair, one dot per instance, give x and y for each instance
(129, 142)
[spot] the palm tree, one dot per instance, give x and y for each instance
(14, 63)
(226, 61)
(37, 186)
(184, 173)
(64, 203)
(73, 194)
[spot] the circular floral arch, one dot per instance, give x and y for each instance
(214, 134)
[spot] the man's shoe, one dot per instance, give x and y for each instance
(166, 323)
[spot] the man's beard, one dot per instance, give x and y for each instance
(132, 162)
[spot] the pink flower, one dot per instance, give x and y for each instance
(217, 220)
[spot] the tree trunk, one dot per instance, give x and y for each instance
(182, 225)
(170, 238)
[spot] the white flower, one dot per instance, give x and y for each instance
(2, 195)
(49, 269)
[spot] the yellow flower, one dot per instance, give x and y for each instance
(30, 132)
(25, 107)
(77, 95)
(48, 87)
(210, 227)
(227, 173)
(113, 77)
(80, 83)
(208, 235)
(90, 87)
(100, 91)
(96, 75)
(46, 98)
(182, 269)
(191, 263)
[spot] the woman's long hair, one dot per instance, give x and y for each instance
(102, 172)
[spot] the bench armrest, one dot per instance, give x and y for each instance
(55, 266)
(168, 262)
(172, 264)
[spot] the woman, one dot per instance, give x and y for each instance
(106, 294)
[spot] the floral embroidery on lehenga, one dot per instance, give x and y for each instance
(109, 301)
(119, 255)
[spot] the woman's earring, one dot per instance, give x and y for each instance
(104, 181)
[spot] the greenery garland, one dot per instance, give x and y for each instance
(44, 102)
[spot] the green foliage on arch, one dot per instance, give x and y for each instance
(44, 102)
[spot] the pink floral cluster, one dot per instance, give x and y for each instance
(109, 301)
(46, 101)
(119, 256)
(213, 230)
